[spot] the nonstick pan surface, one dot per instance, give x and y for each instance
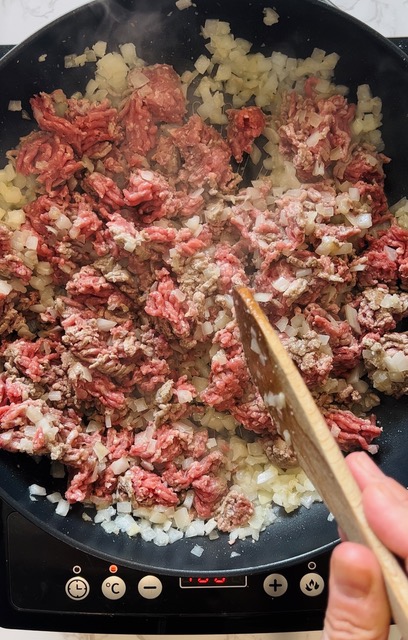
(162, 33)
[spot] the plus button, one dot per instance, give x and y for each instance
(275, 585)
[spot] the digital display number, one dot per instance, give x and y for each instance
(218, 581)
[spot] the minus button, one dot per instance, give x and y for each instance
(150, 587)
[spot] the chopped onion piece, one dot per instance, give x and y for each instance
(105, 325)
(197, 551)
(5, 288)
(271, 16)
(37, 490)
(14, 105)
(62, 508)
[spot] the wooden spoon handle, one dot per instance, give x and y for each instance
(318, 453)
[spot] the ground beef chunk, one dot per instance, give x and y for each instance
(140, 130)
(301, 279)
(166, 156)
(373, 194)
(205, 155)
(313, 127)
(44, 155)
(33, 359)
(163, 445)
(232, 273)
(229, 373)
(168, 302)
(98, 124)
(252, 413)
(363, 163)
(90, 287)
(352, 432)
(313, 360)
(180, 479)
(199, 277)
(386, 360)
(146, 488)
(385, 259)
(106, 189)
(208, 490)
(10, 264)
(345, 346)
(379, 310)
(279, 452)
(11, 319)
(84, 125)
(162, 94)
(244, 126)
(235, 511)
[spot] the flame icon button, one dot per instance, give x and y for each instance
(312, 584)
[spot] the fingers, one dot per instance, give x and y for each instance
(385, 503)
(357, 607)
(365, 470)
(386, 510)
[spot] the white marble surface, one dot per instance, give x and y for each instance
(19, 19)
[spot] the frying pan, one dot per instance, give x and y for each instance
(162, 33)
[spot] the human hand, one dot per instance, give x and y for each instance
(358, 607)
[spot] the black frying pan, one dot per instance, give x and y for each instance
(162, 33)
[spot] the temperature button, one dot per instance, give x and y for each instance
(77, 588)
(150, 587)
(113, 588)
(312, 584)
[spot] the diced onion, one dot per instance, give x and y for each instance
(183, 4)
(197, 550)
(14, 105)
(62, 508)
(270, 16)
(105, 325)
(54, 497)
(5, 288)
(119, 466)
(37, 490)
(281, 284)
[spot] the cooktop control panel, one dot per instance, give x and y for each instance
(52, 585)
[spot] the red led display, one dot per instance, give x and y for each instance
(209, 581)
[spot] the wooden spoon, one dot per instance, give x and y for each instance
(294, 410)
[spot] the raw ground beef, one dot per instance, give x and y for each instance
(120, 355)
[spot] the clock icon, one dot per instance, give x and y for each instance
(77, 588)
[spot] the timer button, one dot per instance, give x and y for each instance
(77, 588)
(312, 584)
(113, 588)
(150, 587)
(275, 585)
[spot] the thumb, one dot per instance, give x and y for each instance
(358, 607)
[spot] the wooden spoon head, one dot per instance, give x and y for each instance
(283, 390)
(272, 369)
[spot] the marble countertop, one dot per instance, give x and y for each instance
(19, 19)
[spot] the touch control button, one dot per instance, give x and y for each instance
(312, 584)
(77, 588)
(275, 585)
(113, 588)
(150, 587)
